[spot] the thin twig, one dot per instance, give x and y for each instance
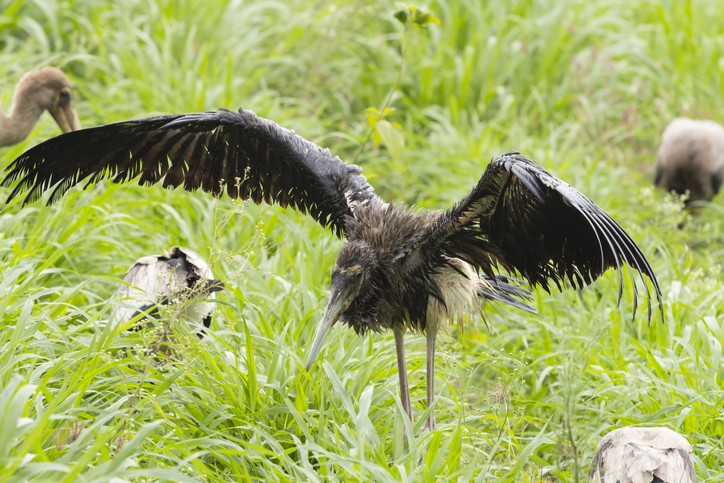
(575, 451)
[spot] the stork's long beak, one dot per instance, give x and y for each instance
(66, 117)
(339, 300)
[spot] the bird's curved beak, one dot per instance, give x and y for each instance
(66, 117)
(339, 300)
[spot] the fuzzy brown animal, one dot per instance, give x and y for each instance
(691, 159)
(47, 89)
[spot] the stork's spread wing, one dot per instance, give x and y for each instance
(241, 153)
(524, 219)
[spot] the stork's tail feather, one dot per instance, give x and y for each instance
(502, 290)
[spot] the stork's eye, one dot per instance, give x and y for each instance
(63, 98)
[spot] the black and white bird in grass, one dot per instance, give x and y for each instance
(181, 278)
(401, 268)
(643, 455)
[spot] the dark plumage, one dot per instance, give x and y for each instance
(691, 159)
(221, 151)
(180, 277)
(401, 269)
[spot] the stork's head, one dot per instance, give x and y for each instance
(49, 88)
(351, 275)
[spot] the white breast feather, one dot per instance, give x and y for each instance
(460, 294)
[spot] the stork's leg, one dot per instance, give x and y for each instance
(431, 337)
(402, 371)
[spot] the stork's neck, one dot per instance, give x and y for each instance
(19, 124)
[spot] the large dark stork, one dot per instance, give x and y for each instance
(400, 269)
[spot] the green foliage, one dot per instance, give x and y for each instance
(585, 88)
(387, 132)
(416, 16)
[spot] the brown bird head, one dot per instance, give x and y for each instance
(352, 279)
(49, 89)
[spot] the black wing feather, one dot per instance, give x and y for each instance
(241, 153)
(524, 219)
(502, 290)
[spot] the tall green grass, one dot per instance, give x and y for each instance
(585, 88)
